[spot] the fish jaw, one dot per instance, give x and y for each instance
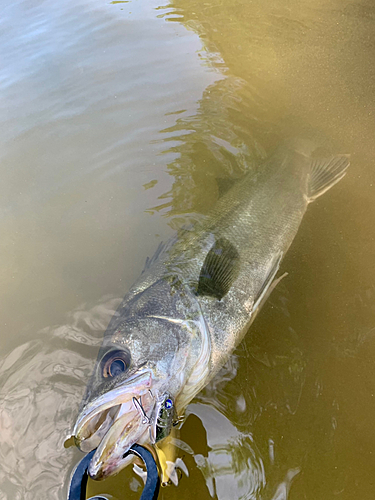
(113, 421)
(130, 426)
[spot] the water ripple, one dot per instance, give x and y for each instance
(42, 382)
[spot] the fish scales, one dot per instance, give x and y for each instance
(260, 219)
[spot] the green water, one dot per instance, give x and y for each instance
(116, 120)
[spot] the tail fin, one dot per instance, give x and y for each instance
(326, 173)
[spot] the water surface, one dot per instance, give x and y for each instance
(116, 120)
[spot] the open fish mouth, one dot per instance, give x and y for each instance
(113, 422)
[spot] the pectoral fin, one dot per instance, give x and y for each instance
(219, 270)
(268, 286)
(326, 173)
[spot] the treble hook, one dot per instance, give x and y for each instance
(138, 404)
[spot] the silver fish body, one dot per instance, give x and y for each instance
(193, 304)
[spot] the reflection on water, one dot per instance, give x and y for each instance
(120, 121)
(42, 383)
(233, 465)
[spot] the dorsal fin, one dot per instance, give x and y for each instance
(163, 248)
(219, 270)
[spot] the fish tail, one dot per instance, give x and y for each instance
(325, 173)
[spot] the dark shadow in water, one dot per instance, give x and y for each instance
(222, 141)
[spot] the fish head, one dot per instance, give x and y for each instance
(130, 398)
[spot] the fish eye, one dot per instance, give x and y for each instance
(168, 403)
(115, 363)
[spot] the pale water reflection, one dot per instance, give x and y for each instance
(41, 386)
(233, 465)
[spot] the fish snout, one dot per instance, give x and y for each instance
(130, 426)
(96, 418)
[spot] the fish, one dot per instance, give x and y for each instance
(192, 305)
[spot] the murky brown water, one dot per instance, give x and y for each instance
(116, 119)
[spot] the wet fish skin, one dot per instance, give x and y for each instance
(197, 297)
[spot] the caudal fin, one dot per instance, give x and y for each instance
(326, 173)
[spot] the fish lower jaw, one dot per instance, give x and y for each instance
(100, 471)
(99, 415)
(129, 427)
(100, 468)
(89, 437)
